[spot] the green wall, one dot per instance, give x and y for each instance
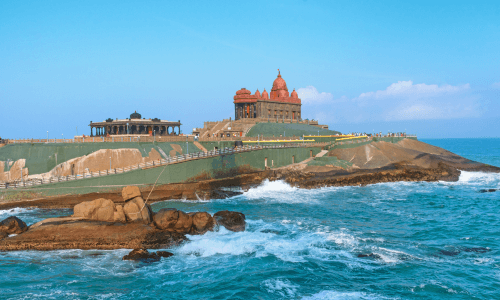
(41, 158)
(176, 172)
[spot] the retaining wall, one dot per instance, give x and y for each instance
(175, 172)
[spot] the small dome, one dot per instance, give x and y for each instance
(135, 115)
(265, 95)
(257, 93)
(243, 91)
(294, 94)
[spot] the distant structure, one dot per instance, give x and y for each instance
(280, 106)
(135, 126)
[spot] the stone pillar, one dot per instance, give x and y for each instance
(91, 131)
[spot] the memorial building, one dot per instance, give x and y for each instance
(279, 106)
(135, 126)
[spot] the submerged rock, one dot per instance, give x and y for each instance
(370, 255)
(232, 220)
(13, 225)
(488, 190)
(453, 252)
(477, 249)
(142, 255)
(164, 254)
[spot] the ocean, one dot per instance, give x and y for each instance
(417, 240)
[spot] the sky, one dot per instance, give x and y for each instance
(431, 68)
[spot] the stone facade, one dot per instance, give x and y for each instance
(279, 106)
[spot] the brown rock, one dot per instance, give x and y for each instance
(13, 225)
(232, 220)
(166, 218)
(184, 223)
(99, 210)
(172, 219)
(136, 211)
(164, 254)
(130, 192)
(119, 215)
(3, 235)
(202, 222)
(142, 255)
(88, 234)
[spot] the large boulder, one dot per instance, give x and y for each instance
(13, 225)
(137, 211)
(202, 222)
(100, 210)
(172, 219)
(130, 192)
(166, 218)
(232, 220)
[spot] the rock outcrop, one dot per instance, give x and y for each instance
(145, 256)
(142, 255)
(89, 234)
(232, 220)
(13, 225)
(172, 219)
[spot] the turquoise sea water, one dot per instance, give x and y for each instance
(427, 241)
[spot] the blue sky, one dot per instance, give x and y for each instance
(428, 67)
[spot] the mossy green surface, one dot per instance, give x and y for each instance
(41, 158)
(329, 160)
(288, 130)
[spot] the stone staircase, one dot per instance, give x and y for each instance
(162, 152)
(200, 146)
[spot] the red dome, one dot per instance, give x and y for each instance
(279, 84)
(257, 93)
(294, 94)
(243, 91)
(265, 95)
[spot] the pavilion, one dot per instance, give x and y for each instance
(135, 126)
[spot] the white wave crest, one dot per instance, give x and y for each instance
(478, 178)
(15, 211)
(331, 295)
(283, 287)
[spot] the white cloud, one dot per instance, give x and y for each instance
(408, 89)
(310, 95)
(400, 101)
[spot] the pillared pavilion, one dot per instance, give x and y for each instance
(135, 126)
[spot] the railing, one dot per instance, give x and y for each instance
(155, 163)
(101, 139)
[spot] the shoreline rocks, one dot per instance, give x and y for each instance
(101, 224)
